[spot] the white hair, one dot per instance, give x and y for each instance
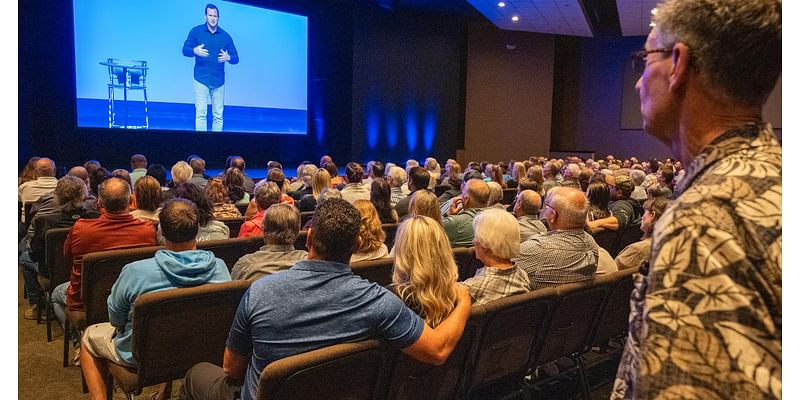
(498, 231)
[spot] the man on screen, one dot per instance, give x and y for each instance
(211, 47)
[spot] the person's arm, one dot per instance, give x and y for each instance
(232, 52)
(234, 365)
(609, 223)
(189, 44)
(435, 344)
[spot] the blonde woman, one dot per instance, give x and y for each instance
(370, 234)
(425, 272)
(319, 182)
(496, 243)
(424, 202)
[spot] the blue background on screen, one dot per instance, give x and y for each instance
(268, 84)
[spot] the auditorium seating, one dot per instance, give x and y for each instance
(467, 262)
(504, 340)
(615, 241)
(234, 224)
(172, 332)
(58, 268)
(378, 271)
(508, 196)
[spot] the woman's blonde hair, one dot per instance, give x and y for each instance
(424, 202)
(425, 271)
(370, 233)
(320, 182)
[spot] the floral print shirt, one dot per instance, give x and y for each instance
(705, 318)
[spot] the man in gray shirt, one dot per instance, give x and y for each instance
(281, 228)
(526, 209)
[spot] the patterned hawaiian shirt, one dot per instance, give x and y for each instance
(705, 320)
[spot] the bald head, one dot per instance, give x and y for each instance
(528, 203)
(476, 193)
(80, 173)
(45, 167)
(570, 206)
(115, 195)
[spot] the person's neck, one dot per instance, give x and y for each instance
(704, 117)
(176, 247)
(213, 30)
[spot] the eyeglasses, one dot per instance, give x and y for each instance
(639, 58)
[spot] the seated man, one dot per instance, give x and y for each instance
(266, 195)
(318, 303)
(526, 209)
(180, 265)
(418, 179)
(624, 210)
(458, 223)
(115, 229)
(566, 253)
(281, 227)
(355, 189)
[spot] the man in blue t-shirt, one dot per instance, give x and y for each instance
(211, 47)
(318, 303)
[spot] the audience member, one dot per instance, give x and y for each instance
(639, 193)
(209, 228)
(198, 172)
(425, 272)
(281, 225)
(637, 254)
(497, 238)
(333, 171)
(571, 173)
(526, 209)
(221, 206)
(91, 166)
(370, 234)
(424, 202)
(495, 195)
(323, 303)
(444, 207)
(599, 197)
(418, 179)
(458, 222)
(536, 173)
(566, 253)
(31, 191)
(28, 172)
(237, 162)
(495, 174)
(381, 197)
(320, 182)
(122, 174)
(432, 166)
(623, 209)
(148, 195)
(234, 183)
(355, 189)
(396, 179)
(179, 265)
(303, 185)
(138, 168)
(97, 177)
(266, 195)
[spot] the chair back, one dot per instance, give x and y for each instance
(614, 318)
(242, 208)
(391, 231)
(439, 190)
(58, 265)
(467, 262)
(513, 326)
(136, 77)
(174, 329)
(378, 271)
(349, 371)
(99, 273)
(573, 321)
(231, 250)
(509, 195)
(306, 216)
(300, 242)
(606, 239)
(631, 234)
(234, 224)
(412, 379)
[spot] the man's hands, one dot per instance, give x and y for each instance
(456, 205)
(200, 51)
(223, 56)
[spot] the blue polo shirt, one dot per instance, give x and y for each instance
(312, 305)
(207, 70)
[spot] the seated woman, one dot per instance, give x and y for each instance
(221, 205)
(425, 272)
(380, 195)
(209, 228)
(496, 243)
(424, 202)
(234, 182)
(320, 182)
(370, 234)
(598, 195)
(148, 196)
(636, 254)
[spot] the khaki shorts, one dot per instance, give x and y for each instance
(98, 339)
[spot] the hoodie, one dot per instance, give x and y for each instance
(167, 270)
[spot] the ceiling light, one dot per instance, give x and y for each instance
(501, 4)
(515, 18)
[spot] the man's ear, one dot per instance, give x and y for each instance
(680, 67)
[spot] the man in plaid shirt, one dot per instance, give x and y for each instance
(566, 253)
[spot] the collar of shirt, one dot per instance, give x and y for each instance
(118, 217)
(278, 248)
(46, 179)
(322, 266)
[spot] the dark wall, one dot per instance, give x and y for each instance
(408, 83)
(47, 98)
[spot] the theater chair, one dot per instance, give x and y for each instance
(58, 270)
(378, 271)
(175, 329)
(347, 371)
(468, 264)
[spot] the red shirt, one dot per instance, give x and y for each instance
(253, 226)
(110, 231)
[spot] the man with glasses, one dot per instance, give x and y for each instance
(566, 253)
(706, 316)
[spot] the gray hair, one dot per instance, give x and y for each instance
(281, 224)
(495, 193)
(498, 231)
(70, 192)
(307, 172)
(328, 193)
(735, 45)
(267, 194)
(181, 172)
(529, 202)
(572, 209)
(637, 176)
(398, 176)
